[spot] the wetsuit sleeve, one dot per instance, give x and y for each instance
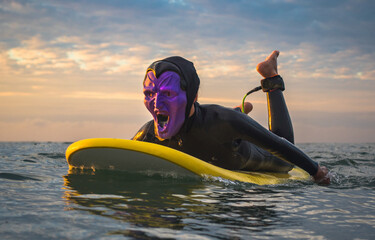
(278, 116)
(241, 126)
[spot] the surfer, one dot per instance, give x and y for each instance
(221, 136)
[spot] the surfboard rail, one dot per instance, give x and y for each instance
(188, 162)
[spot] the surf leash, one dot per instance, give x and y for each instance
(248, 93)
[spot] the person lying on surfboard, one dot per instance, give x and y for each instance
(221, 136)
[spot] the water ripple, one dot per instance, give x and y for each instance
(16, 177)
(41, 199)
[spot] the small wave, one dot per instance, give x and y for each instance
(52, 155)
(209, 178)
(28, 160)
(17, 177)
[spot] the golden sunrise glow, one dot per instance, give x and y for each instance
(68, 80)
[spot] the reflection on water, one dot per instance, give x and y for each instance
(39, 199)
(127, 197)
(159, 203)
(159, 207)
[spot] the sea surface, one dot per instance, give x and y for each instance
(40, 198)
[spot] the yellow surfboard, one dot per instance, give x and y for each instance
(136, 156)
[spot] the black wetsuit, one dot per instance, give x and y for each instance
(230, 139)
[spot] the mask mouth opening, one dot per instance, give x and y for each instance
(162, 120)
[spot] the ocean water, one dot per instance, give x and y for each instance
(41, 199)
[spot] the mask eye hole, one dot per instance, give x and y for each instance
(149, 94)
(168, 93)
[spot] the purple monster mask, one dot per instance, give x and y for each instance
(166, 101)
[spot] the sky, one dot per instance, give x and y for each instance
(71, 70)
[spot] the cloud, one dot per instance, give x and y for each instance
(11, 94)
(294, 22)
(12, 6)
(48, 57)
(81, 56)
(45, 130)
(36, 54)
(103, 95)
(115, 43)
(308, 61)
(150, 21)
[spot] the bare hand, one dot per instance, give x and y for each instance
(248, 107)
(322, 176)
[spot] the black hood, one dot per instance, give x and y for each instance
(189, 77)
